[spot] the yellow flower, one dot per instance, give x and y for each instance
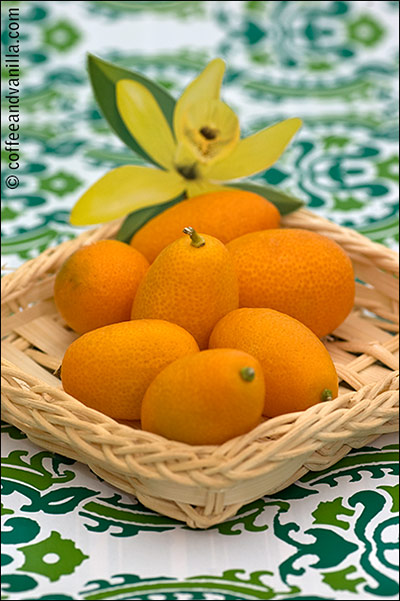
(203, 151)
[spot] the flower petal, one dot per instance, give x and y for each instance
(145, 120)
(210, 130)
(123, 190)
(206, 86)
(255, 153)
(202, 186)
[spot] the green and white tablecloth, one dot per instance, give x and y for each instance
(65, 533)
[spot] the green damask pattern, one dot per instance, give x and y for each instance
(332, 63)
(346, 541)
(333, 534)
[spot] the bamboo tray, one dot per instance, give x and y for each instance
(204, 485)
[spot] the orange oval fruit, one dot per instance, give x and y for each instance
(191, 284)
(301, 273)
(96, 285)
(298, 370)
(109, 369)
(225, 214)
(206, 398)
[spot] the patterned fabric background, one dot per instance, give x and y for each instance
(334, 64)
(65, 533)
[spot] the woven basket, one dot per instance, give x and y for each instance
(204, 485)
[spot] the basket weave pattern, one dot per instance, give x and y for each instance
(203, 485)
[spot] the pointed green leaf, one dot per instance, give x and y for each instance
(394, 493)
(134, 221)
(327, 512)
(339, 580)
(103, 77)
(284, 202)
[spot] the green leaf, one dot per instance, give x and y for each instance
(134, 221)
(104, 77)
(284, 202)
(394, 493)
(327, 513)
(339, 580)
